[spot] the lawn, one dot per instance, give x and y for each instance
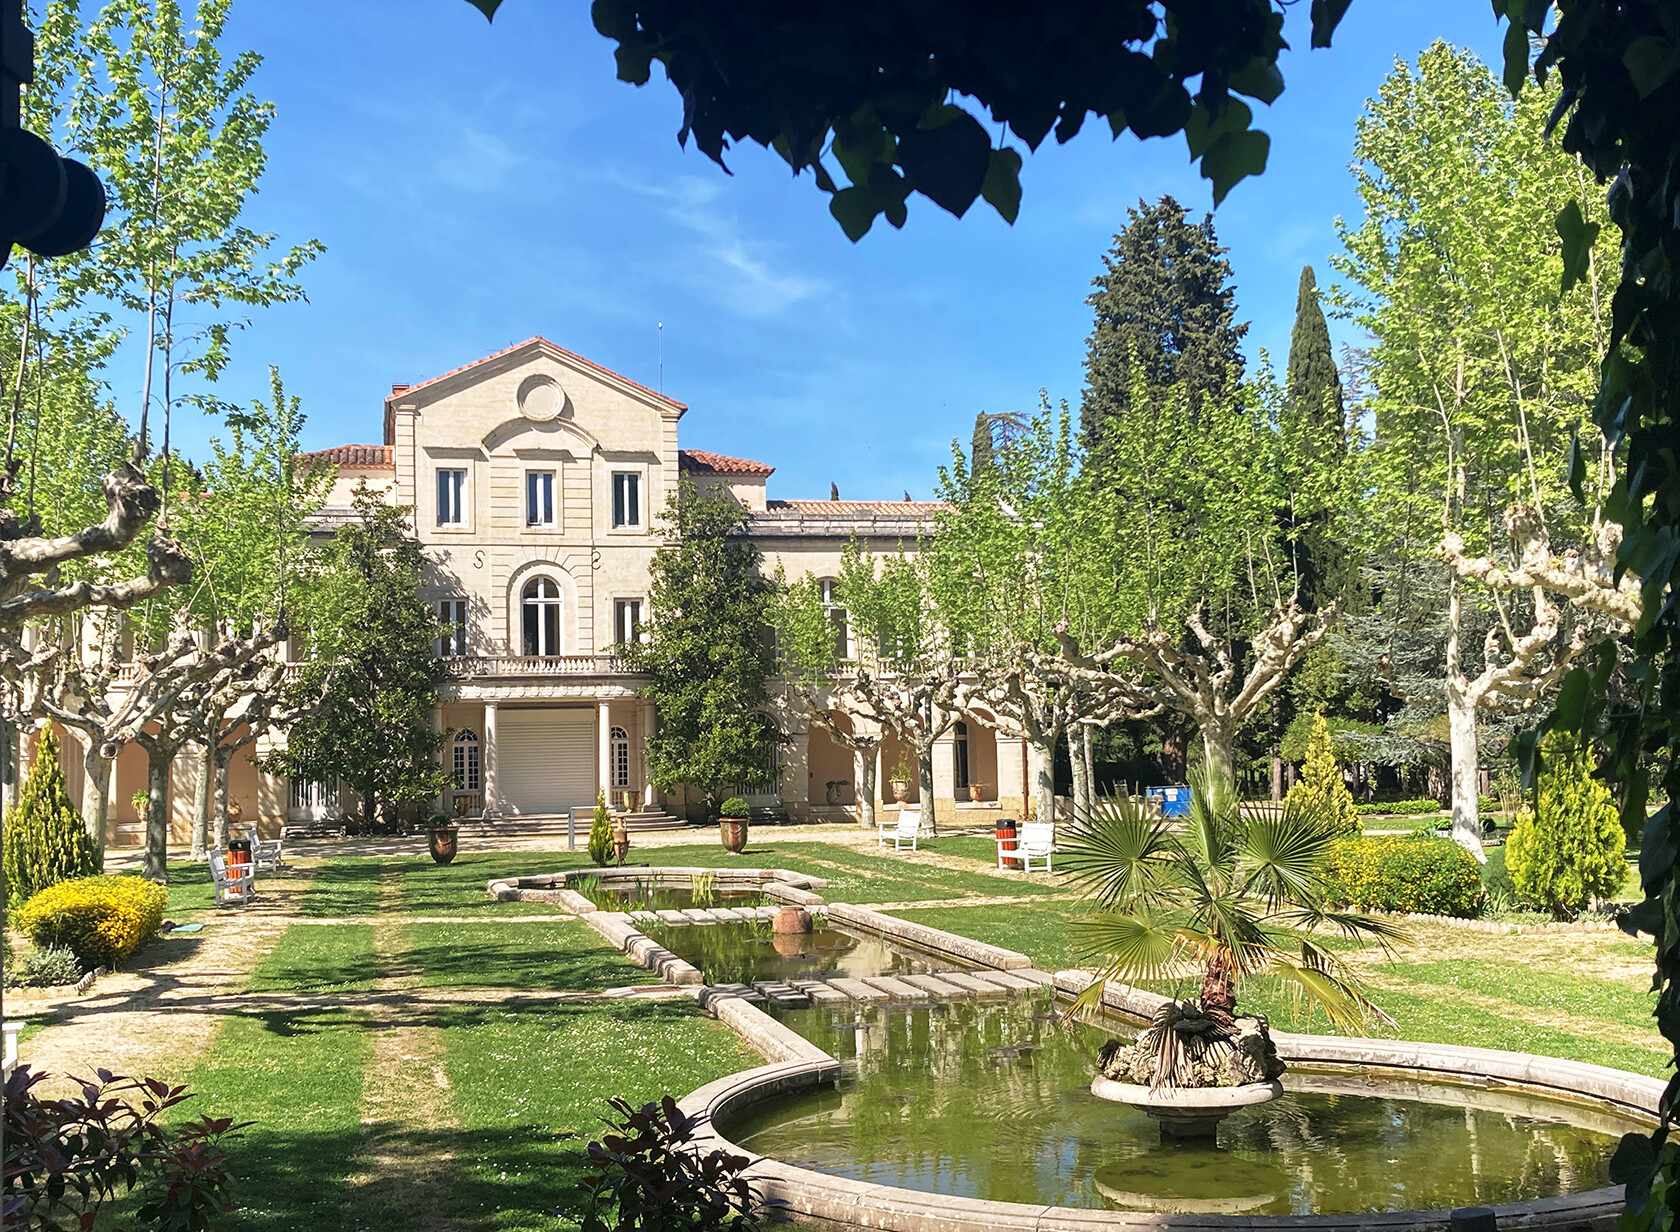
(559, 955)
(318, 958)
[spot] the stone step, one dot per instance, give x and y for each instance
(742, 991)
(857, 990)
(939, 987)
(981, 990)
(897, 989)
(699, 915)
(732, 915)
(783, 993)
(820, 993)
(673, 917)
(1009, 980)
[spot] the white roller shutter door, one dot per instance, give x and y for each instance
(545, 760)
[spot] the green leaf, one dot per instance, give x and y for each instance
(487, 7)
(1326, 16)
(948, 160)
(1578, 236)
(1259, 78)
(1573, 696)
(1651, 60)
(1203, 128)
(1516, 57)
(855, 210)
(1002, 185)
(1233, 157)
(1577, 467)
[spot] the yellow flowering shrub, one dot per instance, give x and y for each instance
(102, 919)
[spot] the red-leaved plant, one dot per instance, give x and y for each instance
(66, 1158)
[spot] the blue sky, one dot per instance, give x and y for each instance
(476, 184)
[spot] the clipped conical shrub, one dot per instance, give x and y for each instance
(1571, 849)
(45, 840)
(1321, 782)
(600, 832)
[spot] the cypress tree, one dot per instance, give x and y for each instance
(1321, 784)
(980, 447)
(1570, 849)
(1164, 314)
(1313, 385)
(45, 840)
(600, 830)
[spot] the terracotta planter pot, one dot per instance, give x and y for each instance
(443, 842)
(733, 832)
(977, 792)
(900, 790)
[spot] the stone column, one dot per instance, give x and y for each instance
(796, 775)
(487, 753)
(603, 776)
(650, 724)
(945, 777)
(1013, 790)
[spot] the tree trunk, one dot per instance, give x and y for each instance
(1085, 739)
(1277, 750)
(1046, 785)
(1175, 748)
(1219, 986)
(204, 801)
(863, 774)
(1078, 759)
(96, 790)
(1218, 747)
(155, 863)
(924, 789)
(219, 836)
(10, 775)
(1466, 818)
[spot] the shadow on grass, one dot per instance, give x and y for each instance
(536, 956)
(345, 888)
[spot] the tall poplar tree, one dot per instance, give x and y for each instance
(1165, 318)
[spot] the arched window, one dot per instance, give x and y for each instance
(539, 606)
(465, 769)
(620, 750)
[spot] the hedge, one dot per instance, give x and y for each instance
(1433, 876)
(102, 919)
(1401, 808)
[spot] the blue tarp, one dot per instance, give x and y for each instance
(1175, 801)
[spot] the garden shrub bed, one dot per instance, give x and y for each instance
(102, 919)
(1399, 808)
(1430, 876)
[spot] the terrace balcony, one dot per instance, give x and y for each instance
(519, 667)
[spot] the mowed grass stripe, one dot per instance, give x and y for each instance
(315, 959)
(561, 955)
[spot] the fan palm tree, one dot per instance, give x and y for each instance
(1234, 892)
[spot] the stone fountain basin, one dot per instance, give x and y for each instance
(1186, 1112)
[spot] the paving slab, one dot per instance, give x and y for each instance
(783, 993)
(857, 990)
(672, 917)
(897, 989)
(979, 989)
(699, 915)
(939, 987)
(1008, 980)
(820, 993)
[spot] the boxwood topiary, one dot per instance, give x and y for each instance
(1418, 873)
(734, 807)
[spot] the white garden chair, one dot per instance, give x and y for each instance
(235, 884)
(907, 829)
(266, 853)
(1036, 841)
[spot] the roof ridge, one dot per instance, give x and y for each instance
(536, 339)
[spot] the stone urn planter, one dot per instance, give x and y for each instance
(443, 841)
(791, 920)
(1220, 1064)
(733, 833)
(900, 790)
(977, 792)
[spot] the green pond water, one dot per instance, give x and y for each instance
(742, 953)
(615, 895)
(993, 1102)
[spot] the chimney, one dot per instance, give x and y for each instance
(399, 389)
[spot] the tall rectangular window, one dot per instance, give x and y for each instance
(837, 620)
(627, 620)
(451, 497)
(626, 499)
(539, 498)
(453, 642)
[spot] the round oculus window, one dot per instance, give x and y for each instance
(541, 399)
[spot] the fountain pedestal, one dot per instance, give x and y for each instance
(1187, 1112)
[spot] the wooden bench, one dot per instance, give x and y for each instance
(907, 829)
(266, 853)
(235, 883)
(1037, 841)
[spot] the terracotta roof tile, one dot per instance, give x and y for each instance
(362, 457)
(699, 462)
(519, 346)
(853, 509)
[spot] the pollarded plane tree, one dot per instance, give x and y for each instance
(1483, 370)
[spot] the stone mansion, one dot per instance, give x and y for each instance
(536, 480)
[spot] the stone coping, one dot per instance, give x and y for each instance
(932, 940)
(782, 884)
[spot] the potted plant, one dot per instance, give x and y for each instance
(442, 837)
(899, 779)
(732, 825)
(835, 788)
(977, 792)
